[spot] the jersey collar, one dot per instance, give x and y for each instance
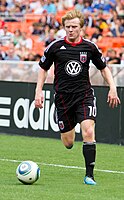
(73, 43)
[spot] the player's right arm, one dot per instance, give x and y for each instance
(42, 74)
(45, 63)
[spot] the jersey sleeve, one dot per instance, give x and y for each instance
(46, 60)
(98, 59)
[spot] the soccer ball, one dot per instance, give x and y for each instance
(28, 172)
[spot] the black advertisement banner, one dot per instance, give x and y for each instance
(18, 114)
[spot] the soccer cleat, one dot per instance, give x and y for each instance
(89, 181)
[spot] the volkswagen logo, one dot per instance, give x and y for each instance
(73, 68)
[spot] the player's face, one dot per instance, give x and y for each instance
(73, 29)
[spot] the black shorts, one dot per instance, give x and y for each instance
(74, 108)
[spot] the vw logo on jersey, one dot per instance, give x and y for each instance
(73, 68)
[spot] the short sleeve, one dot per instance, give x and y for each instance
(47, 59)
(97, 58)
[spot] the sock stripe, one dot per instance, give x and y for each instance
(89, 143)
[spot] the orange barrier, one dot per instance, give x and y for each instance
(118, 42)
(38, 46)
(4, 48)
(104, 46)
(111, 42)
(12, 26)
(31, 17)
(22, 26)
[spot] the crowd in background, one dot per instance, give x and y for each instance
(105, 17)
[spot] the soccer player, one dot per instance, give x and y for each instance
(74, 98)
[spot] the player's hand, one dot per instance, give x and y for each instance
(113, 99)
(39, 98)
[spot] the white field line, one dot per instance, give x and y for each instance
(63, 166)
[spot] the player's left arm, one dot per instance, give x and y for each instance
(100, 62)
(113, 98)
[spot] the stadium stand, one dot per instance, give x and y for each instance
(26, 15)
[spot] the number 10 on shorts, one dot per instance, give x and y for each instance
(92, 111)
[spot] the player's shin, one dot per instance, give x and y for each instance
(89, 153)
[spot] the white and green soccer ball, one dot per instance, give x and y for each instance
(28, 172)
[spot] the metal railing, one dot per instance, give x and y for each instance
(26, 71)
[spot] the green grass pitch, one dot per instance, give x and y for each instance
(62, 170)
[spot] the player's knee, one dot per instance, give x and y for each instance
(89, 132)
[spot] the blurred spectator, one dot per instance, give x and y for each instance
(110, 5)
(11, 55)
(1, 56)
(84, 34)
(79, 5)
(45, 33)
(121, 50)
(2, 53)
(10, 4)
(25, 41)
(122, 54)
(37, 29)
(117, 28)
(98, 5)
(40, 8)
(50, 38)
(88, 20)
(44, 23)
(65, 5)
(120, 8)
(122, 59)
(37, 57)
(17, 11)
(34, 5)
(56, 2)
(22, 52)
(87, 6)
(52, 22)
(3, 2)
(30, 57)
(97, 35)
(17, 37)
(3, 6)
(112, 57)
(43, 20)
(50, 7)
(112, 15)
(102, 24)
(11, 45)
(61, 32)
(3, 9)
(5, 36)
(24, 5)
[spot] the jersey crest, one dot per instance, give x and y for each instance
(83, 57)
(61, 125)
